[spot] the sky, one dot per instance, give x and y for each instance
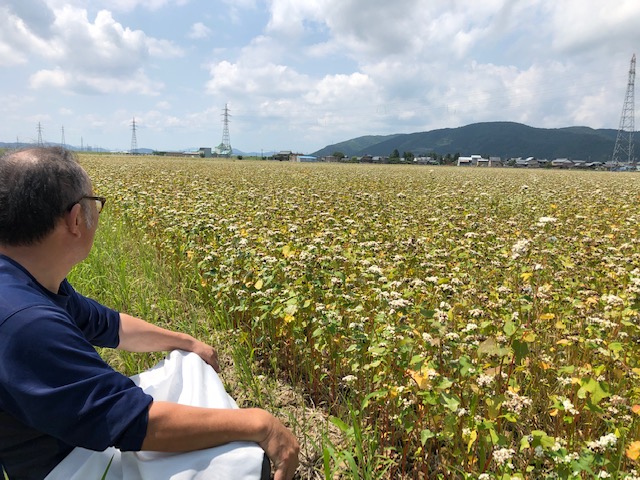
(303, 74)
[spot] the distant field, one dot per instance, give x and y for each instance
(458, 323)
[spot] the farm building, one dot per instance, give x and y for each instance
(303, 158)
(561, 163)
(283, 155)
(471, 161)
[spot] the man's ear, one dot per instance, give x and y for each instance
(73, 219)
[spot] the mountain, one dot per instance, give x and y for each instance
(503, 139)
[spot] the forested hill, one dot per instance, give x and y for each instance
(503, 139)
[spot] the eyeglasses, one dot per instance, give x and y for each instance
(100, 201)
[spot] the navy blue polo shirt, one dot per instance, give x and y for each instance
(56, 392)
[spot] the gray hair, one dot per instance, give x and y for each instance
(37, 187)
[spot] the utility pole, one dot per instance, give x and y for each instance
(623, 150)
(62, 141)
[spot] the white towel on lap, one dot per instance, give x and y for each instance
(181, 378)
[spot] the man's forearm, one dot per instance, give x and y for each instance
(176, 428)
(136, 335)
(179, 428)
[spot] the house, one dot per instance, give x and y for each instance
(424, 161)
(283, 155)
(561, 163)
(495, 162)
(520, 162)
(543, 162)
(471, 161)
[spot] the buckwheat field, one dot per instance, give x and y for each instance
(450, 322)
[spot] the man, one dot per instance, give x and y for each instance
(56, 393)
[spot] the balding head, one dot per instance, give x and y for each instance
(37, 187)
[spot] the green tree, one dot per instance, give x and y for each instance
(338, 155)
(408, 156)
(395, 153)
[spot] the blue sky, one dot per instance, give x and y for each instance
(302, 74)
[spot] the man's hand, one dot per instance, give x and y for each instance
(282, 448)
(207, 353)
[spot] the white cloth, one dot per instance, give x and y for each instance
(181, 378)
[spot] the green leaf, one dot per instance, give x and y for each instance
(425, 435)
(521, 350)
(344, 428)
(104, 475)
(615, 347)
(416, 360)
(596, 390)
(465, 365)
(510, 417)
(444, 384)
(491, 347)
(449, 401)
(510, 328)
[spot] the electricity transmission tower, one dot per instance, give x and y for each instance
(134, 140)
(224, 149)
(623, 150)
(40, 142)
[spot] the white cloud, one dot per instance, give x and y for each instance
(163, 48)
(101, 56)
(236, 9)
(17, 41)
(79, 82)
(582, 26)
(267, 81)
(14, 103)
(129, 5)
(101, 46)
(199, 31)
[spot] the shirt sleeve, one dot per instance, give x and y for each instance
(54, 381)
(99, 324)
